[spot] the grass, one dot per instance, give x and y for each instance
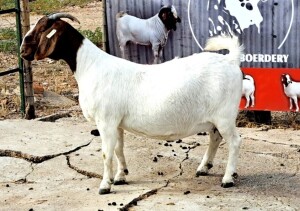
(49, 6)
(7, 4)
(8, 40)
(94, 36)
(45, 6)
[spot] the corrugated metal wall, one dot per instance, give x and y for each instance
(279, 28)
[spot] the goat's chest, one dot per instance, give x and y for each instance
(87, 106)
(292, 89)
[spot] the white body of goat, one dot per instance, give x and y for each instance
(169, 101)
(291, 90)
(248, 90)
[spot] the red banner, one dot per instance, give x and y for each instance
(269, 92)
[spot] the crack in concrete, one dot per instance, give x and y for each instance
(154, 191)
(270, 142)
(83, 172)
(37, 159)
(186, 158)
(143, 196)
(273, 154)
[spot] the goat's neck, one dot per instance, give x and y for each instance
(88, 58)
(160, 29)
(67, 47)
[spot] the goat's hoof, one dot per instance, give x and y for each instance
(209, 165)
(95, 132)
(104, 191)
(120, 182)
(235, 175)
(201, 173)
(227, 185)
(126, 171)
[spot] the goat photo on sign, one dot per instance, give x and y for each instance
(248, 90)
(152, 31)
(168, 101)
(291, 89)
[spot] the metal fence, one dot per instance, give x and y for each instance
(19, 68)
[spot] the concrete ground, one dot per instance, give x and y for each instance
(58, 166)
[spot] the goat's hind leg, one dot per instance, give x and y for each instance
(234, 141)
(122, 170)
(124, 50)
(207, 161)
(252, 99)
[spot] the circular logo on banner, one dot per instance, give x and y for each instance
(235, 16)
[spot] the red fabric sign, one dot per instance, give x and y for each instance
(269, 92)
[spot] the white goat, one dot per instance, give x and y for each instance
(153, 31)
(169, 101)
(291, 90)
(248, 90)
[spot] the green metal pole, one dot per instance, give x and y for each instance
(20, 61)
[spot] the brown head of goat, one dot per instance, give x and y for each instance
(52, 38)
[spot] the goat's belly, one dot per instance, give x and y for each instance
(168, 132)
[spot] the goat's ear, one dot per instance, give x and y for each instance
(47, 44)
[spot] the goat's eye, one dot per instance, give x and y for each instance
(28, 38)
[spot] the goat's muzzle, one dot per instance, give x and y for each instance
(27, 51)
(178, 20)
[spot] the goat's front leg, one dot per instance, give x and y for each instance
(296, 103)
(234, 141)
(122, 167)
(207, 161)
(156, 54)
(291, 103)
(109, 137)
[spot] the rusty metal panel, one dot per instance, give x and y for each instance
(267, 28)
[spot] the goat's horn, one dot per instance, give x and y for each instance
(63, 15)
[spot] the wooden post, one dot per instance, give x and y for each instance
(28, 78)
(104, 28)
(263, 117)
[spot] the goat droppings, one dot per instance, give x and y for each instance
(187, 192)
(178, 141)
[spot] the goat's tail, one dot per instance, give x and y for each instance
(120, 14)
(226, 42)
